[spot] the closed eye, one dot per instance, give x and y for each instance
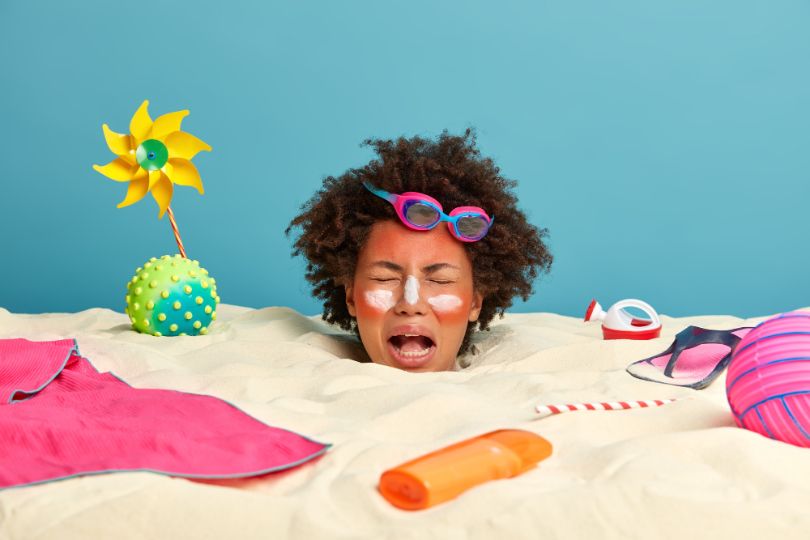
(384, 280)
(441, 281)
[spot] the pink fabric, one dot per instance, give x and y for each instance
(60, 417)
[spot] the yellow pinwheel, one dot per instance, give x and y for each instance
(153, 157)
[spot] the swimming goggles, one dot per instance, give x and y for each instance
(421, 212)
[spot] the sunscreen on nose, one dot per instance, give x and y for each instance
(446, 473)
(411, 290)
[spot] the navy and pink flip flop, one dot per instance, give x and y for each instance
(694, 360)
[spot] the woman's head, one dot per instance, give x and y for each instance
(415, 297)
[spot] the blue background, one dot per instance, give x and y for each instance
(666, 145)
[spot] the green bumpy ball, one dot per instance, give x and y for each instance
(172, 296)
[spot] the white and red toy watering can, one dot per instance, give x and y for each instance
(618, 323)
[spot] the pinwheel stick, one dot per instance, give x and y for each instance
(176, 232)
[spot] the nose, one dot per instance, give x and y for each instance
(410, 301)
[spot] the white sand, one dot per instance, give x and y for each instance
(679, 471)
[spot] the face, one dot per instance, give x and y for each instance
(412, 295)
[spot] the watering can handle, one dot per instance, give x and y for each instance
(639, 304)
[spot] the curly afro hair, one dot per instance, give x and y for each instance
(336, 221)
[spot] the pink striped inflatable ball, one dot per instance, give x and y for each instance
(768, 380)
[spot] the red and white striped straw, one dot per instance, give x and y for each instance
(548, 410)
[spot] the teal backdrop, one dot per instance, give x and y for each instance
(664, 144)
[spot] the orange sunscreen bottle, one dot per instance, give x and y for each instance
(446, 473)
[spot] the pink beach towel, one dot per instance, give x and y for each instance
(60, 417)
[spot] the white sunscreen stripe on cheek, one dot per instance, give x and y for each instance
(382, 300)
(445, 302)
(411, 290)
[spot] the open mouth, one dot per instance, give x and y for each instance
(410, 349)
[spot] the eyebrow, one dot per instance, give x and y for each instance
(429, 269)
